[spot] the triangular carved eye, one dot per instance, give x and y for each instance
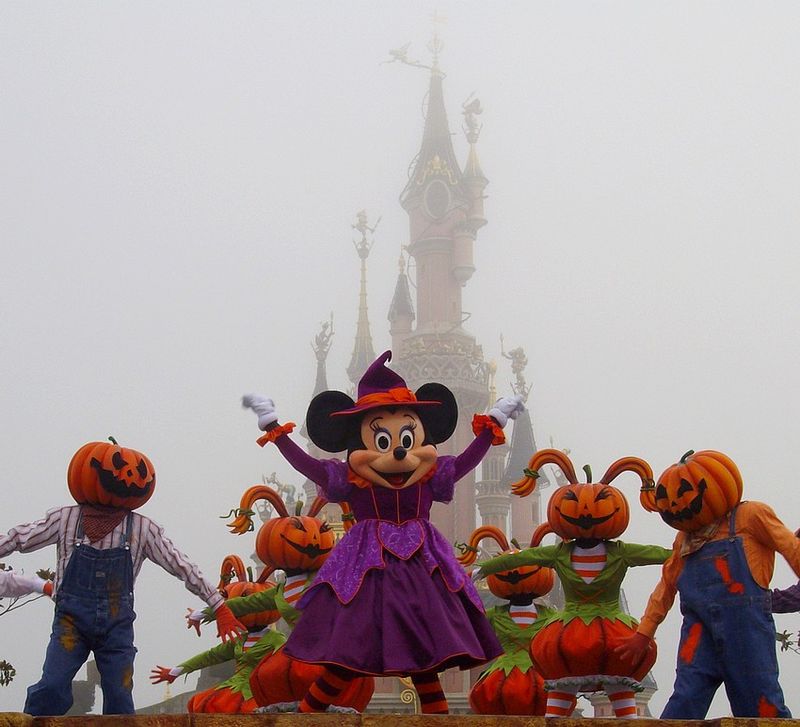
(684, 487)
(118, 461)
(141, 468)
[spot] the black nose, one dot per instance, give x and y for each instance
(399, 453)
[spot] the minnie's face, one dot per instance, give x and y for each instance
(395, 456)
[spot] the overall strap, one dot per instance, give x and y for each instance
(732, 523)
(126, 537)
(79, 534)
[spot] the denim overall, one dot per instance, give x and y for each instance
(94, 612)
(728, 636)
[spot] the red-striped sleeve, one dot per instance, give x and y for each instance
(32, 536)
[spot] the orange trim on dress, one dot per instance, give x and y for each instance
(480, 422)
(276, 432)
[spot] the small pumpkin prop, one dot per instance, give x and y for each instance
(104, 473)
(519, 585)
(233, 567)
(292, 543)
(279, 678)
(700, 489)
(585, 511)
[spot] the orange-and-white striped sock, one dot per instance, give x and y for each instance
(253, 637)
(293, 587)
(623, 702)
(589, 562)
(430, 692)
(560, 703)
(522, 615)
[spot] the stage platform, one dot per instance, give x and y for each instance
(9, 719)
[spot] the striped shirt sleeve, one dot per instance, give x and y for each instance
(161, 550)
(32, 536)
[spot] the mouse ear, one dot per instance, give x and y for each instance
(329, 433)
(439, 421)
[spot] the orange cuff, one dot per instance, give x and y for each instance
(276, 432)
(480, 422)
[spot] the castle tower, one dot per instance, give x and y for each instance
(363, 352)
(445, 210)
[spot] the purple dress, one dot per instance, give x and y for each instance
(391, 599)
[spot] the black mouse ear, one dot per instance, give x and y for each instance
(328, 432)
(439, 421)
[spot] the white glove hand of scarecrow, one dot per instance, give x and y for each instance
(505, 408)
(264, 407)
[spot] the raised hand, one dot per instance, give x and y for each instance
(505, 408)
(164, 674)
(264, 407)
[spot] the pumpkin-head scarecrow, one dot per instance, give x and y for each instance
(722, 563)
(510, 685)
(233, 695)
(391, 476)
(574, 652)
(101, 544)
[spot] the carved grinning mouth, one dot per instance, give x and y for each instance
(312, 551)
(586, 522)
(513, 577)
(687, 513)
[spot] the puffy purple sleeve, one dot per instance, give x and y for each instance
(786, 600)
(329, 475)
(450, 470)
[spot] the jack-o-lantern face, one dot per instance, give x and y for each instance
(588, 511)
(522, 584)
(103, 473)
(395, 455)
(252, 621)
(698, 490)
(295, 543)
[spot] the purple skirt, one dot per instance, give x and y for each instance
(402, 621)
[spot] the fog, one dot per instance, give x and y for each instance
(179, 184)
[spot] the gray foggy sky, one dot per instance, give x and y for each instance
(178, 186)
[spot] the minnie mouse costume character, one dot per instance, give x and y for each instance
(391, 599)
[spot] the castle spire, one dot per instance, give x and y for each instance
(363, 351)
(401, 311)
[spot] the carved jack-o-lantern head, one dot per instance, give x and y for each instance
(293, 543)
(701, 488)
(234, 582)
(585, 511)
(519, 585)
(103, 473)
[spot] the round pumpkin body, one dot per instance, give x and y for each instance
(103, 473)
(294, 543)
(252, 621)
(220, 701)
(578, 649)
(278, 678)
(701, 488)
(586, 511)
(517, 692)
(526, 580)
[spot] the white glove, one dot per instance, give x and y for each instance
(264, 407)
(505, 408)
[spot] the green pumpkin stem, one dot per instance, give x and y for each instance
(688, 454)
(588, 470)
(113, 441)
(516, 544)
(298, 508)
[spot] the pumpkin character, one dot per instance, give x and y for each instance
(298, 545)
(722, 563)
(233, 695)
(392, 580)
(104, 473)
(574, 651)
(101, 544)
(510, 684)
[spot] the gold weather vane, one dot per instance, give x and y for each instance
(363, 246)
(435, 46)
